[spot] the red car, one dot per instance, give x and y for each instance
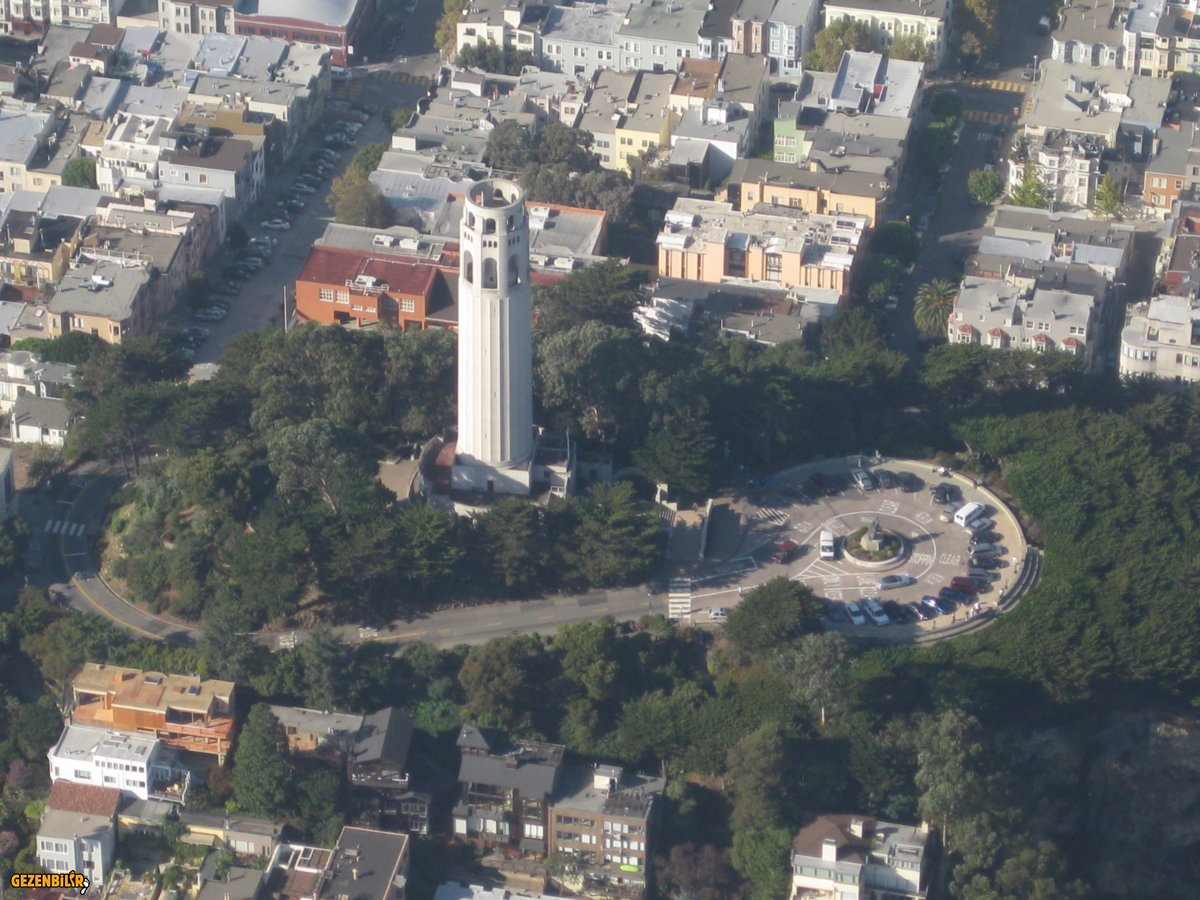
(783, 551)
(965, 584)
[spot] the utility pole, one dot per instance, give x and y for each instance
(285, 310)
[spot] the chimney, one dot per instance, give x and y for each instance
(829, 850)
(856, 827)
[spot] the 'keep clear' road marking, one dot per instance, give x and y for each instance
(950, 559)
(923, 518)
(922, 559)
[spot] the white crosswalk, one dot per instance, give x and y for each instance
(754, 541)
(66, 529)
(772, 515)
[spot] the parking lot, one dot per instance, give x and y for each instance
(934, 552)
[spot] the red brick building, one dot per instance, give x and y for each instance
(333, 24)
(350, 287)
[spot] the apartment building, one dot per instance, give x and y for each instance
(1007, 315)
(138, 765)
(1159, 38)
(234, 166)
(1021, 233)
(78, 831)
(1067, 164)
(1091, 34)
(579, 40)
(604, 818)
(510, 24)
(1161, 340)
(611, 93)
(791, 28)
(365, 864)
(506, 788)
(196, 16)
(35, 249)
(658, 35)
(754, 181)
(84, 13)
(860, 858)
(888, 19)
(1173, 171)
(184, 711)
(628, 114)
(337, 287)
(1081, 100)
(703, 240)
(25, 132)
(334, 25)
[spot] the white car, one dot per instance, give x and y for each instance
(892, 303)
(876, 612)
(718, 614)
(854, 611)
(887, 582)
(277, 224)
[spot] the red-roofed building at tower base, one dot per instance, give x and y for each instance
(332, 24)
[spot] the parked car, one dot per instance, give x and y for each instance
(886, 479)
(986, 537)
(980, 525)
(854, 611)
(303, 188)
(226, 288)
(218, 303)
(251, 262)
(718, 614)
(292, 204)
(987, 550)
(277, 224)
(887, 582)
(936, 605)
(953, 596)
(195, 332)
(943, 492)
(966, 584)
(233, 272)
(896, 612)
(863, 480)
(209, 315)
(985, 562)
(783, 551)
(909, 482)
(919, 611)
(876, 613)
(312, 179)
(948, 511)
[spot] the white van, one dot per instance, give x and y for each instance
(828, 545)
(965, 514)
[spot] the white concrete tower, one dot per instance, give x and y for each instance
(495, 341)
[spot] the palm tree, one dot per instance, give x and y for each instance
(934, 303)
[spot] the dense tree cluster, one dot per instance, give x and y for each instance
(491, 57)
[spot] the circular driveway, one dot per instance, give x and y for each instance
(791, 508)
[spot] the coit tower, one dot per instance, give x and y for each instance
(495, 337)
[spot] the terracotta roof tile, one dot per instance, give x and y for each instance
(87, 799)
(327, 265)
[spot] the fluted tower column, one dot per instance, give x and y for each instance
(495, 328)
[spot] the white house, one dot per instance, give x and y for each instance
(39, 420)
(22, 373)
(1161, 340)
(859, 858)
(135, 764)
(889, 19)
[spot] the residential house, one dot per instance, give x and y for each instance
(335, 25)
(39, 420)
(1161, 340)
(245, 836)
(706, 143)
(860, 858)
(579, 40)
(658, 35)
(611, 95)
(460, 123)
(313, 732)
(235, 166)
(293, 105)
(78, 831)
(128, 159)
(506, 789)
(82, 13)
(1173, 171)
(196, 16)
(1081, 100)
(928, 20)
(716, 30)
(218, 879)
(754, 181)
(703, 240)
(509, 24)
(1010, 315)
(24, 374)
(381, 783)
(604, 817)
(184, 711)
(749, 31)
(1091, 34)
(93, 57)
(35, 249)
(138, 765)
(1155, 37)
(791, 27)
(864, 82)
(24, 136)
(366, 864)
(1020, 232)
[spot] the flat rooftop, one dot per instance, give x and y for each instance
(84, 742)
(151, 690)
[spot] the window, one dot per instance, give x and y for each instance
(343, 296)
(489, 273)
(774, 267)
(737, 263)
(83, 774)
(514, 271)
(408, 305)
(534, 831)
(326, 294)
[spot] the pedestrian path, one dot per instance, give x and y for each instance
(1012, 87)
(754, 541)
(772, 515)
(990, 118)
(66, 529)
